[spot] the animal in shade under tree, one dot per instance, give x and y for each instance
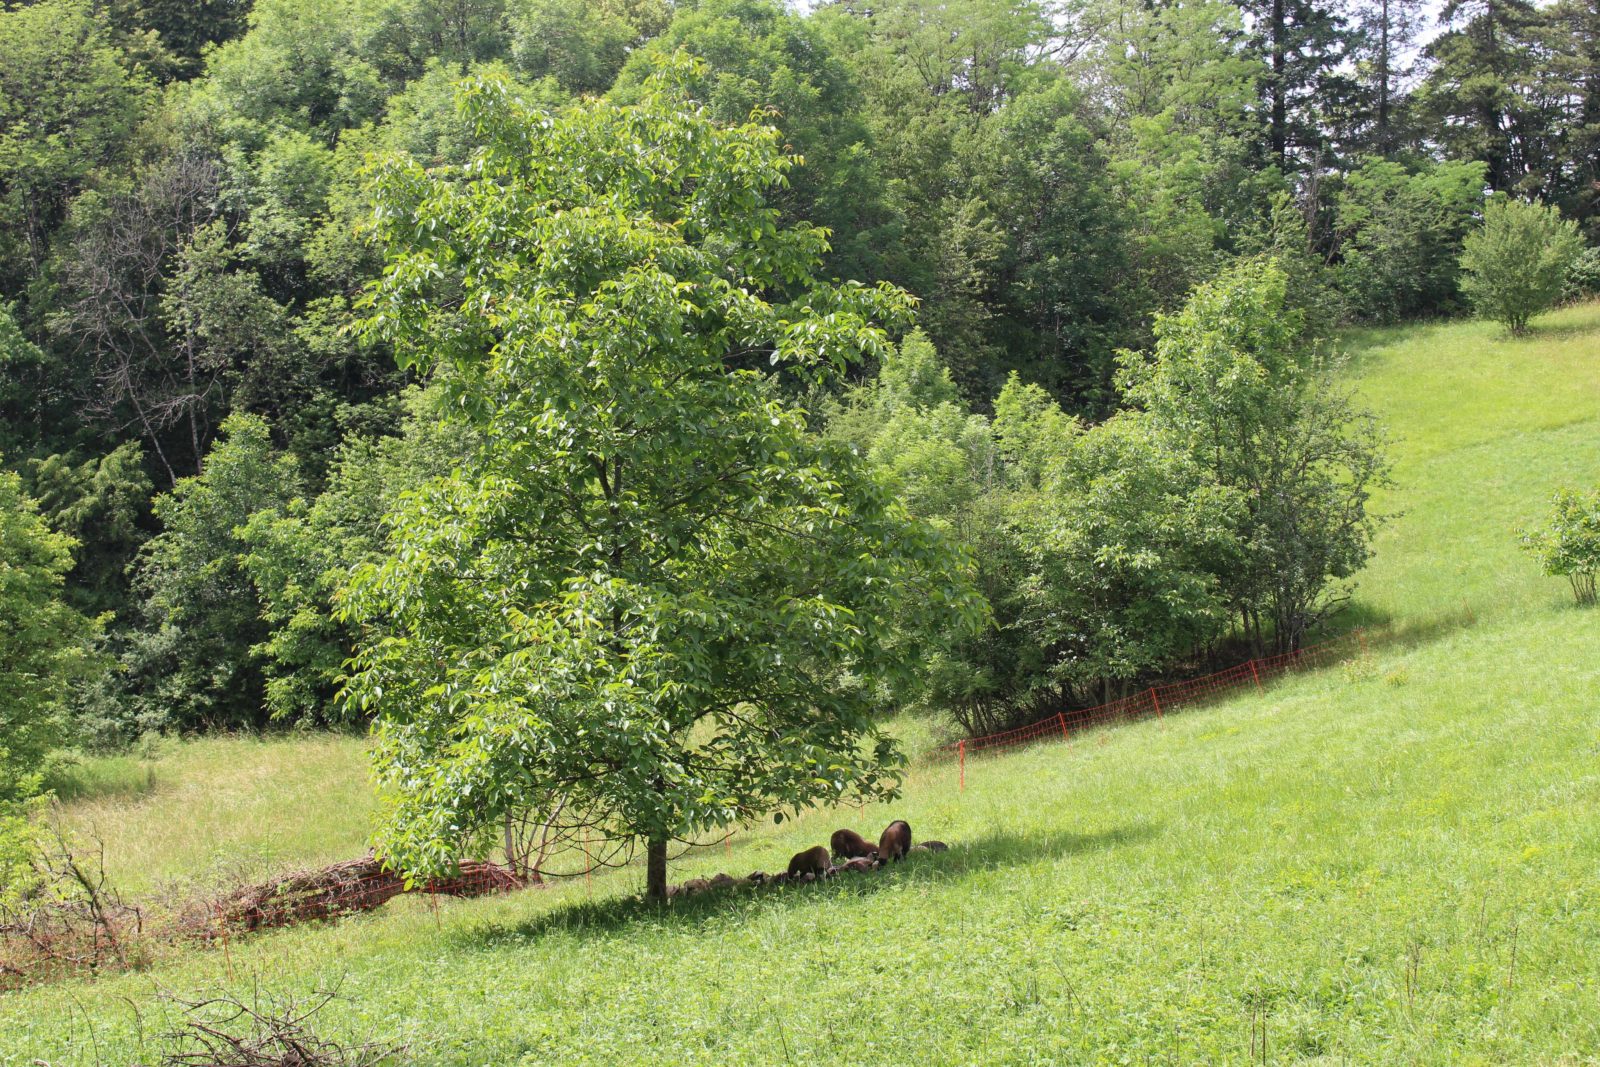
(847, 844)
(813, 860)
(895, 842)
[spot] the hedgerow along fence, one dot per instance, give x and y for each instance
(1160, 700)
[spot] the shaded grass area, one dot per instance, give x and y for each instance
(1389, 861)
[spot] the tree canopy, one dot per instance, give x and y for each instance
(949, 222)
(649, 597)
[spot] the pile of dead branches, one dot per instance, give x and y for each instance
(264, 1031)
(339, 889)
(71, 920)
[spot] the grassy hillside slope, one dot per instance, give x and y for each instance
(1485, 427)
(223, 807)
(1390, 861)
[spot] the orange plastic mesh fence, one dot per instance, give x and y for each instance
(1161, 699)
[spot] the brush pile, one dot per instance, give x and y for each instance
(340, 889)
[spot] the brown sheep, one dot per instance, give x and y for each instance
(860, 863)
(936, 846)
(895, 842)
(847, 844)
(812, 861)
(723, 880)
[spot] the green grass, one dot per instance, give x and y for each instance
(223, 807)
(1389, 861)
(1485, 427)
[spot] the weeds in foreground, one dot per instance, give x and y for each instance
(70, 918)
(265, 1030)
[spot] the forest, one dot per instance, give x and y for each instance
(373, 359)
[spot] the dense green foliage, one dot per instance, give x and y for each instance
(1234, 386)
(1398, 230)
(650, 601)
(44, 643)
(1345, 862)
(1516, 265)
(1228, 500)
(185, 232)
(1568, 544)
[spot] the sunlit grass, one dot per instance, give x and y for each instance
(1485, 427)
(1390, 861)
(1353, 855)
(234, 805)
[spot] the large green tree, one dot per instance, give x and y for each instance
(69, 105)
(760, 56)
(1235, 384)
(1481, 91)
(1304, 44)
(1180, 84)
(650, 597)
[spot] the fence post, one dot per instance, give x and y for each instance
(1256, 675)
(1062, 719)
(962, 750)
(1156, 700)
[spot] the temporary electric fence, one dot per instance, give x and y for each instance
(1158, 701)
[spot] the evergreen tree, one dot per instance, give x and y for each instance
(1305, 45)
(1478, 90)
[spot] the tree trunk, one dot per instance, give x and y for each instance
(655, 876)
(512, 861)
(1383, 78)
(1280, 105)
(1495, 151)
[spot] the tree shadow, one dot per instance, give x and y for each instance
(118, 779)
(997, 849)
(1357, 345)
(1547, 331)
(1383, 631)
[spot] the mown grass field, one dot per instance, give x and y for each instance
(1389, 861)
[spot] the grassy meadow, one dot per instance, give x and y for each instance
(223, 807)
(1389, 861)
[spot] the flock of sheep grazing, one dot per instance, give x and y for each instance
(850, 852)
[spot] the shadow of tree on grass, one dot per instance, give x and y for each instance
(997, 849)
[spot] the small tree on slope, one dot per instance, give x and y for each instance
(650, 598)
(1569, 543)
(1516, 265)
